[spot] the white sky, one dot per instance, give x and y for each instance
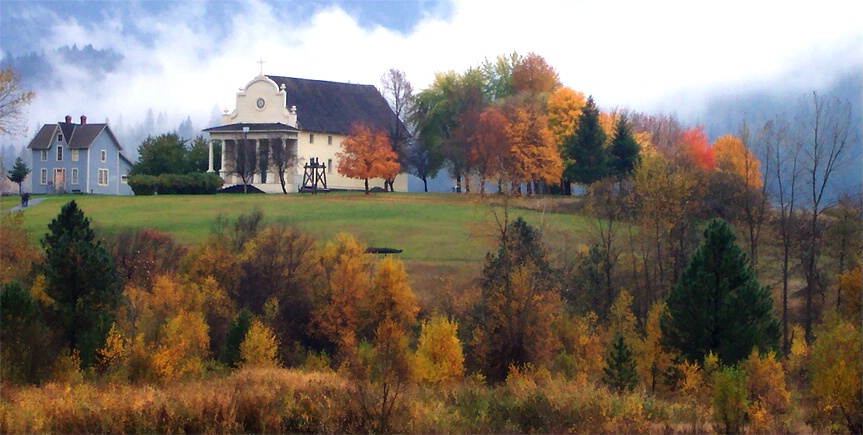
(637, 54)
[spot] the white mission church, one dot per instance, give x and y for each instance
(312, 117)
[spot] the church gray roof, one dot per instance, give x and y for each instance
(332, 107)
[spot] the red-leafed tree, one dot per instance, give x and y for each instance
(697, 148)
(491, 146)
(367, 154)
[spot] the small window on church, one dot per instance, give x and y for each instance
(329, 140)
(60, 137)
(329, 166)
(311, 138)
(43, 155)
(59, 153)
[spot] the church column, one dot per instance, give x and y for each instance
(227, 147)
(210, 158)
(256, 178)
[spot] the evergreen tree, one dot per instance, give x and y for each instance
(586, 148)
(620, 373)
(19, 172)
(236, 334)
(718, 304)
(624, 149)
(82, 279)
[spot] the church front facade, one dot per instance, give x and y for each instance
(284, 124)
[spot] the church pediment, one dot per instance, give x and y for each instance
(261, 101)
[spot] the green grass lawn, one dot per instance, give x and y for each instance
(430, 228)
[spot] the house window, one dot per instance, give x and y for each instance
(329, 140)
(329, 166)
(104, 156)
(60, 137)
(311, 138)
(44, 155)
(74, 155)
(103, 176)
(74, 175)
(59, 153)
(43, 176)
(124, 179)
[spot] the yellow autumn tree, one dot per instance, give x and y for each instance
(621, 319)
(582, 339)
(652, 359)
(732, 157)
(836, 378)
(392, 297)
(563, 108)
(339, 312)
(439, 358)
(182, 347)
(608, 121)
(260, 347)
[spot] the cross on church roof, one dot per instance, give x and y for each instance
(261, 62)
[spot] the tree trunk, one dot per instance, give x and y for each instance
(367, 186)
(425, 184)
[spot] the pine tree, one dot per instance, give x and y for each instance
(624, 149)
(586, 148)
(83, 280)
(718, 304)
(620, 372)
(19, 173)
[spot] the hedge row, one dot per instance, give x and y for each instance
(195, 183)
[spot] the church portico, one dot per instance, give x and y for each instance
(259, 152)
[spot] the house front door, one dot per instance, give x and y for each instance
(60, 180)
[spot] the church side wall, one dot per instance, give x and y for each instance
(324, 147)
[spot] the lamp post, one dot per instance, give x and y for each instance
(245, 152)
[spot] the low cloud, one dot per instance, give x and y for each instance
(183, 59)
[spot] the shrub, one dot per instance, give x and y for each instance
(729, 400)
(175, 184)
(769, 397)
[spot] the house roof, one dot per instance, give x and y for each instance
(42, 140)
(333, 107)
(253, 127)
(84, 135)
(78, 136)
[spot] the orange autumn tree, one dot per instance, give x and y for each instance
(697, 148)
(534, 75)
(367, 154)
(534, 154)
(732, 157)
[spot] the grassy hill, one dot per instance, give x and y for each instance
(442, 235)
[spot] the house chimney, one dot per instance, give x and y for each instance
(83, 119)
(68, 119)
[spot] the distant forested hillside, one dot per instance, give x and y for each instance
(724, 114)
